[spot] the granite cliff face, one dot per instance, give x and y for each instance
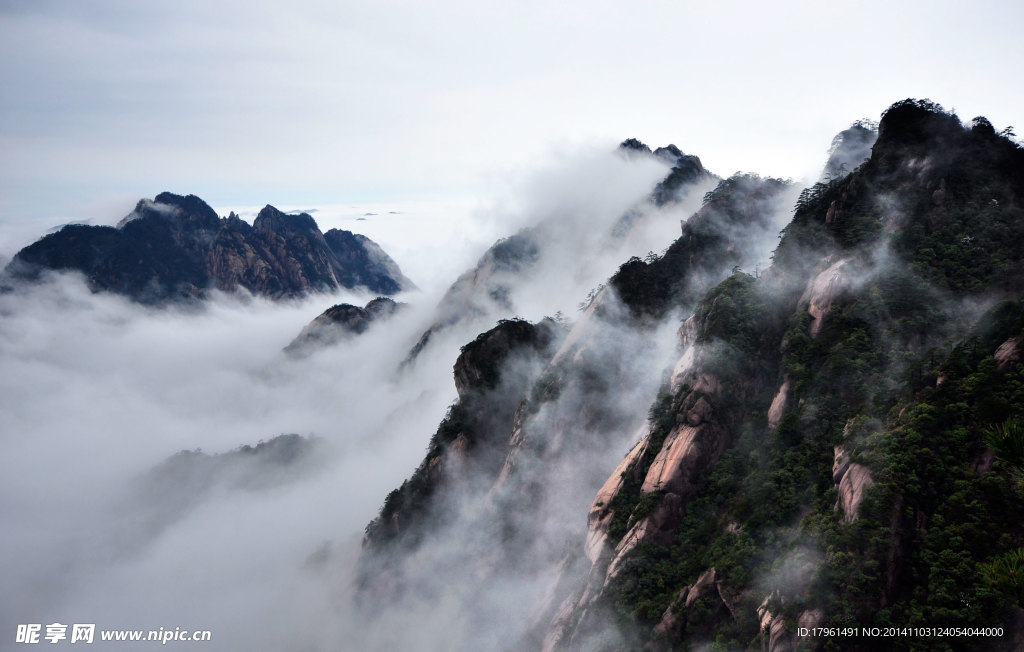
(815, 450)
(743, 507)
(175, 247)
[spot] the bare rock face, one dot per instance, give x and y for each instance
(670, 473)
(774, 637)
(1008, 355)
(853, 480)
(688, 432)
(696, 442)
(687, 450)
(687, 343)
(822, 291)
(656, 527)
(779, 404)
(600, 515)
(673, 620)
(175, 247)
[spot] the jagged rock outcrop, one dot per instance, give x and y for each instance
(822, 291)
(175, 247)
(686, 170)
(1008, 355)
(340, 322)
(773, 634)
(779, 403)
(852, 480)
(633, 147)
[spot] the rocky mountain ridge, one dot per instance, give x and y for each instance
(816, 453)
(176, 247)
(512, 264)
(851, 289)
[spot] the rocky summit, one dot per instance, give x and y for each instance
(175, 247)
(340, 322)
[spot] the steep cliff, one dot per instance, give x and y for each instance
(492, 375)
(820, 452)
(814, 455)
(176, 247)
(566, 429)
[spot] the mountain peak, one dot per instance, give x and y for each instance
(272, 219)
(631, 145)
(670, 153)
(177, 207)
(911, 122)
(188, 203)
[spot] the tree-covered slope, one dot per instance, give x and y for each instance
(835, 443)
(820, 458)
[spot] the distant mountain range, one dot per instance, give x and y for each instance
(176, 247)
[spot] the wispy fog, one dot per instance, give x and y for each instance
(98, 392)
(495, 544)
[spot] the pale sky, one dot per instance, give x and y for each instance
(308, 102)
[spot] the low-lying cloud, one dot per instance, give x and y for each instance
(98, 391)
